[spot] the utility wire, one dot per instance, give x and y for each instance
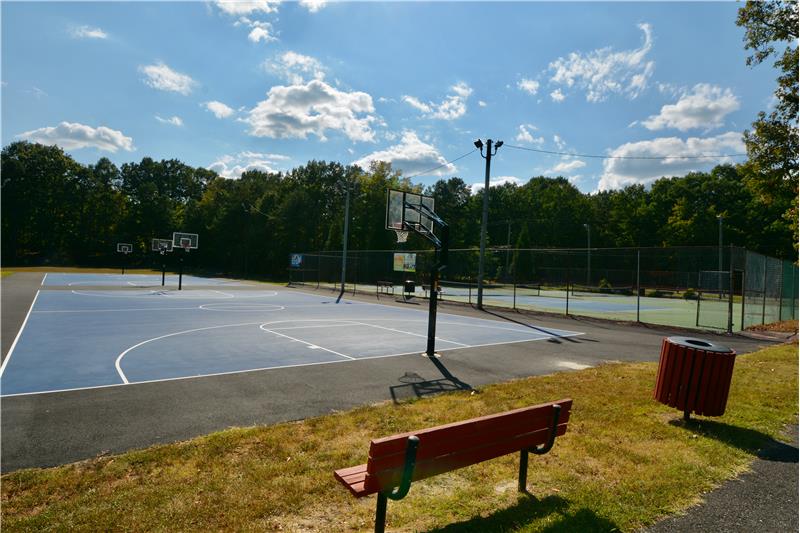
(592, 156)
(443, 164)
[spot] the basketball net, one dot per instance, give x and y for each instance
(402, 236)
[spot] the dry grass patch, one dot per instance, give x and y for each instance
(624, 462)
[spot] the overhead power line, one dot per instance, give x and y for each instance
(594, 156)
(443, 164)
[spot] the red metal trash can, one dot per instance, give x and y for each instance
(694, 375)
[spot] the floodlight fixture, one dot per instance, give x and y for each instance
(478, 144)
(498, 144)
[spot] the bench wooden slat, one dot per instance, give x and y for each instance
(353, 478)
(526, 417)
(446, 463)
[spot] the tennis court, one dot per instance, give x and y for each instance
(88, 337)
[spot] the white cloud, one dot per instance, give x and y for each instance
(494, 182)
(238, 7)
(704, 107)
(296, 68)
(160, 76)
(559, 142)
(603, 71)
(261, 32)
(481, 103)
(232, 166)
(565, 167)
(452, 107)
(312, 108)
(313, 5)
(529, 86)
(173, 121)
(557, 96)
(525, 135)
(411, 156)
(73, 136)
(618, 173)
(219, 109)
(87, 32)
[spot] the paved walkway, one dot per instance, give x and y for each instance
(764, 499)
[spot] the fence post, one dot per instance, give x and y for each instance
(568, 284)
(780, 293)
(638, 281)
(764, 297)
(730, 292)
(744, 286)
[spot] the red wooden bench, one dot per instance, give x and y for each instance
(395, 461)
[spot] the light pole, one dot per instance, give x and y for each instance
(588, 254)
(485, 217)
(719, 266)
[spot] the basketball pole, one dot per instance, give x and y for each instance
(180, 272)
(439, 265)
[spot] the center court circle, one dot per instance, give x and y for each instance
(241, 308)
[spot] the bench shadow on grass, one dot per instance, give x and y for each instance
(748, 440)
(528, 509)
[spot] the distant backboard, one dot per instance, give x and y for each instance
(125, 248)
(161, 245)
(187, 241)
(407, 211)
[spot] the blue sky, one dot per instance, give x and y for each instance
(270, 85)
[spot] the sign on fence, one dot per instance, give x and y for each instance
(405, 262)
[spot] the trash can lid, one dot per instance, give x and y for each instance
(699, 344)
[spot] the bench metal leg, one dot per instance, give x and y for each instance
(523, 471)
(380, 514)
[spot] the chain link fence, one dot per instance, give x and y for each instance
(726, 288)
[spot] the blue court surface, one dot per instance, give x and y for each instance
(86, 338)
(131, 280)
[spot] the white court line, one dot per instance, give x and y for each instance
(224, 293)
(409, 333)
(44, 278)
(315, 346)
(19, 334)
(276, 367)
(121, 310)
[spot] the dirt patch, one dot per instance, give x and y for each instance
(784, 326)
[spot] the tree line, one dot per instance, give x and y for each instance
(58, 211)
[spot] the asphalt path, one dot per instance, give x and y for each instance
(56, 428)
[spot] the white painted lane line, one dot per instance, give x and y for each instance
(307, 343)
(410, 333)
(19, 334)
(44, 278)
(117, 310)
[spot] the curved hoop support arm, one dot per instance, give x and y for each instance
(553, 430)
(398, 493)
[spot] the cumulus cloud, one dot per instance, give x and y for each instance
(312, 108)
(87, 32)
(232, 166)
(557, 96)
(296, 68)
(565, 167)
(163, 78)
(172, 121)
(219, 109)
(237, 7)
(618, 173)
(603, 71)
(261, 31)
(452, 107)
(73, 136)
(529, 86)
(481, 103)
(313, 5)
(525, 136)
(705, 106)
(411, 156)
(494, 182)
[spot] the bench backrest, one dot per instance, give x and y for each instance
(452, 446)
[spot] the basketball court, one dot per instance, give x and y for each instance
(82, 338)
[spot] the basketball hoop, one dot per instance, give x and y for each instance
(402, 236)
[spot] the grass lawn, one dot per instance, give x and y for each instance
(625, 461)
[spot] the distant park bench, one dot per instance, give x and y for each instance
(385, 287)
(395, 461)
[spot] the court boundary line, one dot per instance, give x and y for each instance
(309, 344)
(279, 367)
(44, 278)
(19, 334)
